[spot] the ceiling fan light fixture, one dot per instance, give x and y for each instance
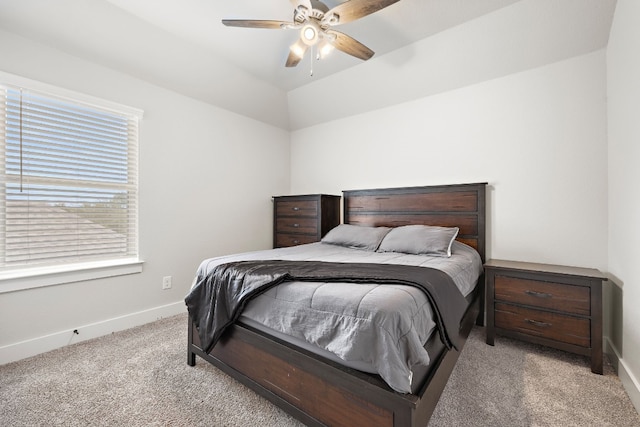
(324, 49)
(309, 34)
(298, 49)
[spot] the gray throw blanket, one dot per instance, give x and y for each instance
(216, 301)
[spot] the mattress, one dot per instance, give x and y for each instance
(374, 328)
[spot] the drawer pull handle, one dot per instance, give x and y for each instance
(538, 294)
(296, 225)
(296, 208)
(296, 241)
(537, 323)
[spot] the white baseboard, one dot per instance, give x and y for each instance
(629, 381)
(612, 353)
(32, 347)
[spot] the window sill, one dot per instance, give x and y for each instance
(49, 276)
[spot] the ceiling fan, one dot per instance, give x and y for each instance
(315, 21)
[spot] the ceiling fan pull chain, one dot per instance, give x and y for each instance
(311, 60)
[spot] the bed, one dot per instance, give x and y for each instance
(319, 389)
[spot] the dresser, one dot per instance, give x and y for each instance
(304, 218)
(552, 305)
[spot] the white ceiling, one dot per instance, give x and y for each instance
(182, 45)
(262, 53)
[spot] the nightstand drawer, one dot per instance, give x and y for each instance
(307, 208)
(286, 239)
(553, 326)
(297, 225)
(548, 295)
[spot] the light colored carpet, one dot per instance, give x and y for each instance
(140, 377)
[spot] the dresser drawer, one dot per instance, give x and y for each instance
(553, 326)
(548, 295)
(302, 208)
(290, 239)
(297, 225)
(303, 218)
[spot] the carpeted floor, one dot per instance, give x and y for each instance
(139, 377)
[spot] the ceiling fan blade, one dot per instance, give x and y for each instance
(348, 44)
(296, 53)
(254, 23)
(354, 9)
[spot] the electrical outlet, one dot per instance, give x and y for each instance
(166, 282)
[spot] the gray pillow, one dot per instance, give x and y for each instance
(420, 239)
(356, 236)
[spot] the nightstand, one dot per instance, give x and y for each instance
(552, 305)
(303, 219)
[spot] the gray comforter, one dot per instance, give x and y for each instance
(218, 299)
(382, 327)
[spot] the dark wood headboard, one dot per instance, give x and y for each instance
(461, 205)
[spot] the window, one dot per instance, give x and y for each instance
(68, 180)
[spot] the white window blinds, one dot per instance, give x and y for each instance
(69, 181)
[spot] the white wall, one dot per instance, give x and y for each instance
(537, 137)
(623, 85)
(206, 180)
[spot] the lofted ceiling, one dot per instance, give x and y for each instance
(263, 53)
(182, 45)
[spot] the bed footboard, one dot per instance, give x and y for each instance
(317, 391)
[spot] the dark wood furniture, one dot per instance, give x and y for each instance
(320, 392)
(553, 305)
(303, 219)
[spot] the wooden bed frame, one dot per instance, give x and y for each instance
(320, 392)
